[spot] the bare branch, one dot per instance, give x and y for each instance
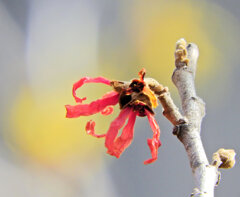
(205, 175)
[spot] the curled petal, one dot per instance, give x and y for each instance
(90, 129)
(115, 126)
(73, 111)
(107, 110)
(123, 141)
(87, 80)
(153, 143)
(141, 74)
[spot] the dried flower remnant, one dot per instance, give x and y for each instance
(181, 52)
(224, 158)
(135, 98)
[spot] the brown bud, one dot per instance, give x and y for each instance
(224, 158)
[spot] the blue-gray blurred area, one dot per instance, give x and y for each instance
(45, 46)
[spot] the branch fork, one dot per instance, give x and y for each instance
(187, 126)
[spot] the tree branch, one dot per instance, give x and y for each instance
(193, 107)
(188, 126)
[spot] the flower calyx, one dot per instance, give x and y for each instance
(136, 94)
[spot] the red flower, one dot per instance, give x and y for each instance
(135, 98)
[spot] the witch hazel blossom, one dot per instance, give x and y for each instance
(135, 98)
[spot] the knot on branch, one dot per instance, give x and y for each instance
(196, 193)
(224, 158)
(178, 129)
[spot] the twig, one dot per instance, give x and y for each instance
(205, 176)
(188, 126)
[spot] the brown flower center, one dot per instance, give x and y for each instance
(136, 94)
(137, 85)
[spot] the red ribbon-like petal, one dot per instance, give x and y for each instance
(73, 111)
(153, 143)
(87, 80)
(123, 141)
(113, 130)
(90, 129)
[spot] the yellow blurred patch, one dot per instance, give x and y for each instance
(41, 131)
(159, 25)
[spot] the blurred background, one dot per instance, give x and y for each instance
(47, 45)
